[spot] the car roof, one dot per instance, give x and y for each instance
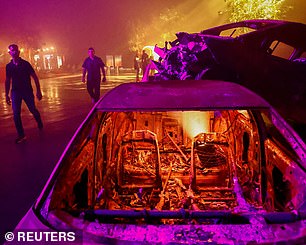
(179, 95)
(289, 32)
(256, 24)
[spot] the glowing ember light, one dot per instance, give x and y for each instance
(196, 122)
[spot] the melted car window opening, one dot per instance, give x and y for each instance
(281, 50)
(236, 32)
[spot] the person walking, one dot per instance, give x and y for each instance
(137, 66)
(92, 66)
(144, 62)
(19, 73)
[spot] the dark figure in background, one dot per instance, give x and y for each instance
(93, 66)
(137, 66)
(20, 71)
(144, 61)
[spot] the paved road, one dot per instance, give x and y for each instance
(25, 168)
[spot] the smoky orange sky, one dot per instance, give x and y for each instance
(74, 25)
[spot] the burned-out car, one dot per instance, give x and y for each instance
(176, 162)
(266, 56)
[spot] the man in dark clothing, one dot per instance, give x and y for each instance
(20, 71)
(144, 61)
(93, 66)
(137, 66)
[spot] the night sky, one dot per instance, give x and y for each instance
(74, 25)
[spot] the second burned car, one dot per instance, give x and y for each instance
(266, 56)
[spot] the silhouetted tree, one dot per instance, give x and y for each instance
(239, 10)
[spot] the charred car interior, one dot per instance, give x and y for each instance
(172, 161)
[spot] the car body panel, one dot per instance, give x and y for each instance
(31, 222)
(184, 95)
